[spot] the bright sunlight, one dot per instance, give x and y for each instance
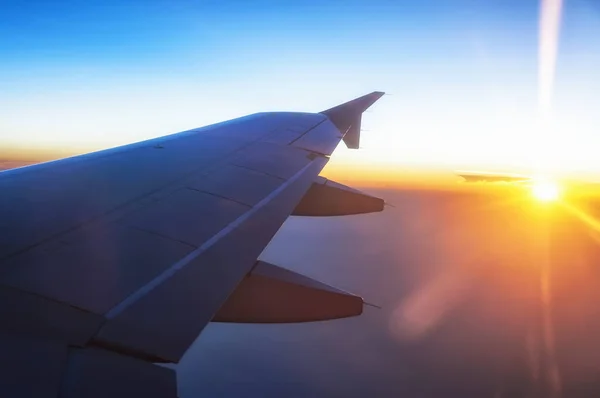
(545, 190)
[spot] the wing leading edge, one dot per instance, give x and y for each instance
(119, 258)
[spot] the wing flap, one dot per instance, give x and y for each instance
(271, 294)
(329, 198)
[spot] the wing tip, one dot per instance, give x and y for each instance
(347, 117)
(359, 104)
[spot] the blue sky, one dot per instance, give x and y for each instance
(462, 74)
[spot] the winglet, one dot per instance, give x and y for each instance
(347, 117)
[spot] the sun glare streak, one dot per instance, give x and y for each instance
(582, 216)
(546, 190)
(553, 376)
(549, 30)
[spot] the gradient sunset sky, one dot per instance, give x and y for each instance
(84, 75)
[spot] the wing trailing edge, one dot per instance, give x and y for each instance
(347, 117)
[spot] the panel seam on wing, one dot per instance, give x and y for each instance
(31, 293)
(170, 187)
(257, 171)
(169, 272)
(160, 235)
(219, 196)
(308, 131)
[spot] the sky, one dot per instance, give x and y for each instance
(462, 75)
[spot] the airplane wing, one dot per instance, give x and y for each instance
(113, 261)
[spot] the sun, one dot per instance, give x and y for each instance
(545, 190)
